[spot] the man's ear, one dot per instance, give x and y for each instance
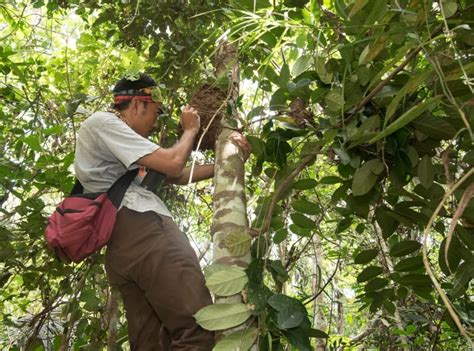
(135, 104)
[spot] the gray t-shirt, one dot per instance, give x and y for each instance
(106, 148)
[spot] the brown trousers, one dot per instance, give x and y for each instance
(156, 270)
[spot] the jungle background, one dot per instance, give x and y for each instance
(359, 187)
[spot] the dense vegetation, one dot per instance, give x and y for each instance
(360, 187)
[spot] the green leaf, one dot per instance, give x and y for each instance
(305, 184)
(450, 8)
(241, 340)
(304, 206)
(33, 141)
(227, 282)
(302, 221)
(278, 99)
(409, 264)
(300, 231)
(372, 50)
(343, 225)
(238, 243)
(404, 248)
(280, 301)
(426, 171)
(434, 127)
(213, 268)
(406, 118)
(376, 284)
(291, 313)
(386, 222)
(366, 256)
(415, 280)
(280, 235)
(469, 158)
(323, 74)
(258, 145)
(290, 317)
(331, 180)
(316, 333)
(334, 100)
(464, 274)
(301, 65)
(92, 302)
(369, 273)
(379, 8)
(358, 5)
(298, 337)
(412, 84)
(222, 316)
(284, 77)
(366, 176)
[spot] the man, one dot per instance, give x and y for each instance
(148, 258)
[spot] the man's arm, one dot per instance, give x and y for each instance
(200, 172)
(171, 161)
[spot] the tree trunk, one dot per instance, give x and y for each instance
(230, 212)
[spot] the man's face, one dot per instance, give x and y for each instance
(147, 114)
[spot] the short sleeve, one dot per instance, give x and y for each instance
(123, 142)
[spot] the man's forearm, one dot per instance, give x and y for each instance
(200, 172)
(184, 146)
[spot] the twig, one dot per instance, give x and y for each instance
(134, 15)
(466, 197)
(281, 189)
(325, 284)
(426, 261)
(383, 83)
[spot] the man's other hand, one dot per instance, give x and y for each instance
(243, 143)
(190, 119)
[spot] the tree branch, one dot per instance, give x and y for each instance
(282, 188)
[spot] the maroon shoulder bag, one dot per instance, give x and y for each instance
(82, 223)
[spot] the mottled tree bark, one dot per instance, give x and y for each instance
(230, 212)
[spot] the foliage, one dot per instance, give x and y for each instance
(360, 116)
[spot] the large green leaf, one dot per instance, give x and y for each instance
(405, 247)
(241, 340)
(222, 316)
(358, 5)
(409, 264)
(227, 282)
(366, 256)
(238, 243)
(369, 273)
(334, 100)
(376, 284)
(415, 280)
(301, 65)
(304, 184)
(407, 117)
(387, 223)
(302, 221)
(464, 274)
(412, 84)
(426, 171)
(366, 176)
(290, 317)
(304, 206)
(434, 127)
(316, 333)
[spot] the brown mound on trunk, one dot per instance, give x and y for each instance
(207, 101)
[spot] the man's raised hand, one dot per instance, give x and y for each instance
(190, 119)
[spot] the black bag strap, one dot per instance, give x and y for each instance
(116, 192)
(118, 189)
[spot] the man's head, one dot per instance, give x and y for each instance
(139, 101)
